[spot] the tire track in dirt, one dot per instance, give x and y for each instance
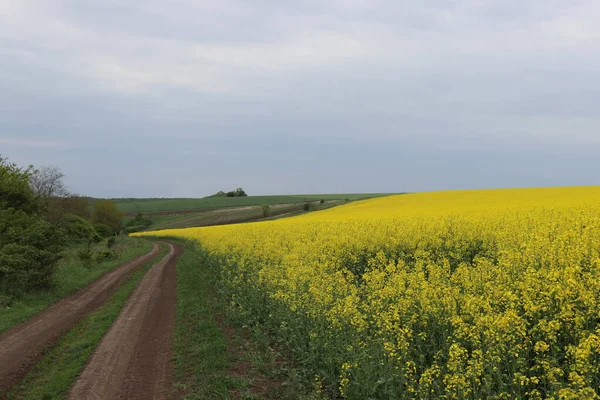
(22, 346)
(133, 360)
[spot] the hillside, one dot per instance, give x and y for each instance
(134, 205)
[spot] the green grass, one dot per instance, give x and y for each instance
(151, 205)
(224, 216)
(205, 355)
(269, 373)
(69, 277)
(53, 376)
(200, 348)
(230, 216)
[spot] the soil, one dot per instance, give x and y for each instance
(23, 345)
(133, 360)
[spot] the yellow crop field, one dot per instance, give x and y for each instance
(459, 294)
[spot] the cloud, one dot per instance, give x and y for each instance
(44, 144)
(198, 78)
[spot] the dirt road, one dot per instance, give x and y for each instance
(21, 346)
(133, 360)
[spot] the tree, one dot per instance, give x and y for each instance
(139, 223)
(54, 200)
(58, 209)
(29, 246)
(77, 205)
(266, 210)
(239, 192)
(80, 230)
(106, 212)
(15, 191)
(47, 184)
(29, 251)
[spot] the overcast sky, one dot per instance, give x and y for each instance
(184, 98)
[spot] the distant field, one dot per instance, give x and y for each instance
(156, 205)
(225, 216)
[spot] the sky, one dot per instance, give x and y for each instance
(149, 98)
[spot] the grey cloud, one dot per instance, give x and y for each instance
(185, 98)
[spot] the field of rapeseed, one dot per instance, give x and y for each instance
(465, 294)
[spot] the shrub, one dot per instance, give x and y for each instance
(111, 242)
(30, 247)
(322, 201)
(103, 230)
(15, 191)
(239, 192)
(29, 251)
(80, 230)
(266, 210)
(5, 301)
(306, 207)
(85, 255)
(137, 224)
(106, 212)
(102, 256)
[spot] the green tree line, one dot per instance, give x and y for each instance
(38, 219)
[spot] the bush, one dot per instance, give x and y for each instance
(103, 256)
(5, 301)
(266, 210)
(111, 242)
(15, 191)
(29, 251)
(239, 192)
(80, 230)
(85, 256)
(306, 207)
(30, 247)
(322, 201)
(106, 212)
(137, 224)
(103, 230)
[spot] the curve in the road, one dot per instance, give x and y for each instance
(21, 346)
(133, 360)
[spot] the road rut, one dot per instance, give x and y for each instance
(133, 360)
(21, 346)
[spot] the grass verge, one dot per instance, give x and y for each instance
(70, 276)
(216, 358)
(200, 348)
(53, 376)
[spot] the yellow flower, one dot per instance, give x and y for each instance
(464, 294)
